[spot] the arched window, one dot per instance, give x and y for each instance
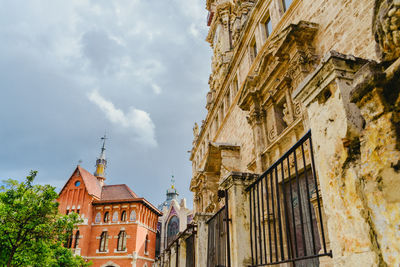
(76, 239)
(97, 219)
(115, 216)
(123, 216)
(103, 241)
(121, 241)
(133, 216)
(69, 240)
(172, 228)
(146, 246)
(106, 217)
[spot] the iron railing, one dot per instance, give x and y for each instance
(284, 202)
(218, 250)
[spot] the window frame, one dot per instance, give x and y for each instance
(103, 246)
(121, 243)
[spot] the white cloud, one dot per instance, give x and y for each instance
(135, 119)
(193, 30)
(156, 89)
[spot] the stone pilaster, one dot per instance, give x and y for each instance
(201, 238)
(336, 124)
(238, 208)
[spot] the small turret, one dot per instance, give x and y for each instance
(101, 163)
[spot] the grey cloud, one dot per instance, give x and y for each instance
(102, 51)
(146, 54)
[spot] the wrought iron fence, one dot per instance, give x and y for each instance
(284, 202)
(218, 253)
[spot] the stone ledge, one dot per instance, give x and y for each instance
(237, 178)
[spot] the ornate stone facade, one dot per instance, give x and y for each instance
(279, 69)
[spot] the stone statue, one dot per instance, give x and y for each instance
(386, 29)
(195, 130)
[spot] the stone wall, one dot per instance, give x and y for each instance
(328, 66)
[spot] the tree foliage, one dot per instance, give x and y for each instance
(31, 229)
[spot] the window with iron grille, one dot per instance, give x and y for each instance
(286, 222)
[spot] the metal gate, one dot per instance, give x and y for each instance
(190, 254)
(284, 202)
(218, 252)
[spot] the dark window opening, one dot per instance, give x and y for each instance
(146, 246)
(76, 243)
(69, 241)
(106, 217)
(123, 216)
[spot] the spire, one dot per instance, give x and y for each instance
(172, 182)
(101, 163)
(172, 193)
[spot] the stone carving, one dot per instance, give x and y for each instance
(297, 109)
(287, 118)
(272, 134)
(386, 29)
(195, 130)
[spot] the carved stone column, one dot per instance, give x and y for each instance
(238, 210)
(336, 124)
(256, 120)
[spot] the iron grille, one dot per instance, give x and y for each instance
(190, 251)
(218, 253)
(284, 202)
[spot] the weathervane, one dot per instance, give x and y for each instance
(104, 138)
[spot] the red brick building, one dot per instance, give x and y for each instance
(118, 229)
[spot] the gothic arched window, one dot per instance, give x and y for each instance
(123, 216)
(103, 242)
(97, 219)
(133, 216)
(115, 216)
(172, 228)
(76, 239)
(121, 241)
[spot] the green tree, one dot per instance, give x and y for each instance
(32, 232)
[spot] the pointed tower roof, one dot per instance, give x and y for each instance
(101, 163)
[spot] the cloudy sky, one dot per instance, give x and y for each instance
(71, 70)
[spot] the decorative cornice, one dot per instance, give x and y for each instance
(333, 65)
(238, 178)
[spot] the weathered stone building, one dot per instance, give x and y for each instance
(297, 161)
